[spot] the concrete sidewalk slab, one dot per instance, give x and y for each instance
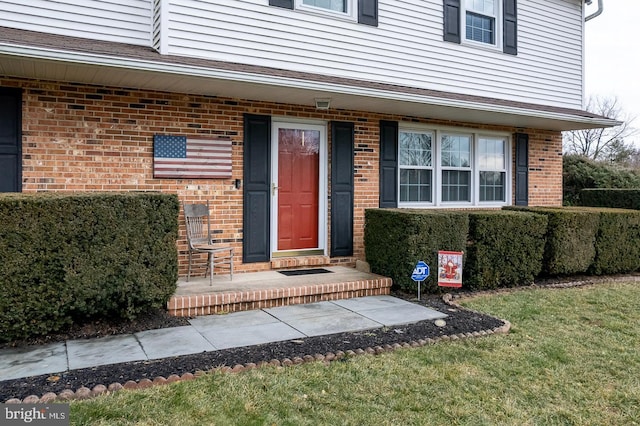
(244, 318)
(372, 302)
(33, 361)
(309, 310)
(390, 311)
(239, 336)
(105, 350)
(169, 342)
(339, 322)
(407, 315)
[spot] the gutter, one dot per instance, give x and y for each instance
(597, 12)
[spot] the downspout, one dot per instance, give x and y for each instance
(597, 12)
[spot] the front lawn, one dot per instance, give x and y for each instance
(572, 358)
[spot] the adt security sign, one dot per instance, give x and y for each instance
(420, 272)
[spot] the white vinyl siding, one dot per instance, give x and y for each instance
(109, 20)
(406, 48)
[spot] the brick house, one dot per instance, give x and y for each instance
(329, 107)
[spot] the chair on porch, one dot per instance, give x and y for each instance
(199, 238)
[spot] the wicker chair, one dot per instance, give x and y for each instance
(199, 238)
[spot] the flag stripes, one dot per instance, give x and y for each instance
(191, 158)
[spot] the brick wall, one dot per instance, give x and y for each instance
(92, 138)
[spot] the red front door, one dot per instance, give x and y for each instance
(298, 182)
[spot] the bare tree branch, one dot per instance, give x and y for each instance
(604, 143)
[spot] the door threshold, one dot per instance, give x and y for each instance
(297, 253)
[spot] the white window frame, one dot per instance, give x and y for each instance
(431, 168)
(469, 169)
(498, 17)
(505, 169)
(349, 15)
(437, 133)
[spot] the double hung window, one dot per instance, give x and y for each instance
(416, 167)
(480, 20)
(492, 165)
(455, 159)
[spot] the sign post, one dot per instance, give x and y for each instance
(420, 273)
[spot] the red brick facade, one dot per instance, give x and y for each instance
(91, 138)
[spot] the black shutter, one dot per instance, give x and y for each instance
(10, 140)
(341, 188)
(522, 169)
(510, 27)
(368, 12)
(257, 189)
(388, 164)
(452, 21)
(287, 4)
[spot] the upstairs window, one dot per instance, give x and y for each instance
(332, 5)
(363, 11)
(492, 23)
(481, 20)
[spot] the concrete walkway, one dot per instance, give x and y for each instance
(215, 332)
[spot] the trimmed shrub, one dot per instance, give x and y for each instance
(570, 239)
(396, 239)
(72, 258)
(505, 248)
(617, 242)
(611, 197)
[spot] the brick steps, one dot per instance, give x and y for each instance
(266, 294)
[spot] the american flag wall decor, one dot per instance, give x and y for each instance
(184, 157)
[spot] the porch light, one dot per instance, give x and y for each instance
(323, 103)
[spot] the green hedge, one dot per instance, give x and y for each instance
(505, 249)
(570, 240)
(617, 242)
(611, 197)
(396, 239)
(72, 258)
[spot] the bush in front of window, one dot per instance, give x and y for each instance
(505, 249)
(73, 258)
(396, 239)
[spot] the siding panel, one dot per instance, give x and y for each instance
(116, 20)
(406, 48)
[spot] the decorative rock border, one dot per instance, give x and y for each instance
(85, 393)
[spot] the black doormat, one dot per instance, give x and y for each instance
(305, 272)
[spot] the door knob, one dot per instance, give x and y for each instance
(274, 188)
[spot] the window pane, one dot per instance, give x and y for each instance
(492, 186)
(456, 151)
(486, 7)
(480, 28)
(415, 149)
(336, 5)
(456, 185)
(416, 185)
(492, 153)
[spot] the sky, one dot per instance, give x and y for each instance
(612, 56)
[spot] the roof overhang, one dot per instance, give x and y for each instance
(152, 71)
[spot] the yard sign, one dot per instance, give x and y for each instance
(450, 268)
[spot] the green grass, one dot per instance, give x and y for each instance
(572, 358)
